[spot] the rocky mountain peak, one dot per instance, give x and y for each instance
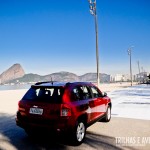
(14, 72)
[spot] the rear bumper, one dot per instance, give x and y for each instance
(60, 124)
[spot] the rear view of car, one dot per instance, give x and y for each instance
(40, 107)
(63, 107)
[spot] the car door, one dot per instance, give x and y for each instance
(82, 97)
(98, 101)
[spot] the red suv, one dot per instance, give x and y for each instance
(63, 107)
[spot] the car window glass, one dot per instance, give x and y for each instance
(52, 94)
(75, 94)
(81, 93)
(86, 92)
(96, 92)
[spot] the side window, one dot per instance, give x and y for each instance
(86, 93)
(81, 93)
(96, 92)
(75, 94)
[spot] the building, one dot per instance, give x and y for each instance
(121, 78)
(141, 77)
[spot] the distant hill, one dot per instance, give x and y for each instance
(92, 77)
(59, 76)
(15, 71)
(88, 77)
(28, 78)
(62, 76)
(15, 74)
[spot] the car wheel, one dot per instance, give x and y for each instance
(107, 115)
(79, 133)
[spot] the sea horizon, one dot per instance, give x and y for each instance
(14, 87)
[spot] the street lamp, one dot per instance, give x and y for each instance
(92, 5)
(129, 53)
(139, 77)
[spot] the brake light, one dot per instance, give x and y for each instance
(65, 110)
(20, 106)
(18, 103)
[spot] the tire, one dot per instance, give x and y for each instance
(107, 117)
(79, 133)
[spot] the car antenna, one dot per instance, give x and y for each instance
(51, 80)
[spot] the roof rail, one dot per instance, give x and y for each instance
(38, 83)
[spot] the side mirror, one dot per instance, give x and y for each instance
(104, 94)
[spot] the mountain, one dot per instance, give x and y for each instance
(92, 77)
(14, 72)
(59, 76)
(28, 78)
(63, 76)
(88, 77)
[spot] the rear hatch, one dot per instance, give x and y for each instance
(41, 104)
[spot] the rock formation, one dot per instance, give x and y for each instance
(14, 72)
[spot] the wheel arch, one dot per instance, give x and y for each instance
(84, 118)
(110, 104)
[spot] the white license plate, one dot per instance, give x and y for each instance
(37, 111)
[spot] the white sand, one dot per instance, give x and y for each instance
(114, 86)
(9, 100)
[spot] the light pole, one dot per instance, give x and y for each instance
(139, 71)
(93, 12)
(129, 53)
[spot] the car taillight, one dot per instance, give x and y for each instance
(65, 110)
(20, 106)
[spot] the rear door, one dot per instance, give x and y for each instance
(81, 96)
(98, 102)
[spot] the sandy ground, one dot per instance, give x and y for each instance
(9, 100)
(114, 86)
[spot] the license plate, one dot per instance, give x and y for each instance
(37, 111)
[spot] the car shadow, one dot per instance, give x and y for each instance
(13, 137)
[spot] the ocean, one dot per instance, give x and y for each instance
(15, 87)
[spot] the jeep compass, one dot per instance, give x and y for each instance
(63, 107)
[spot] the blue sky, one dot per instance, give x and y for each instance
(47, 36)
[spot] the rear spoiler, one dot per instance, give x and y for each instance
(38, 83)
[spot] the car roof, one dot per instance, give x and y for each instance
(59, 84)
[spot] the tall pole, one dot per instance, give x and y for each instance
(138, 66)
(97, 52)
(129, 53)
(94, 13)
(139, 71)
(131, 69)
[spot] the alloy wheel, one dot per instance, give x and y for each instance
(80, 133)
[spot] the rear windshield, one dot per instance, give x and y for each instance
(44, 94)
